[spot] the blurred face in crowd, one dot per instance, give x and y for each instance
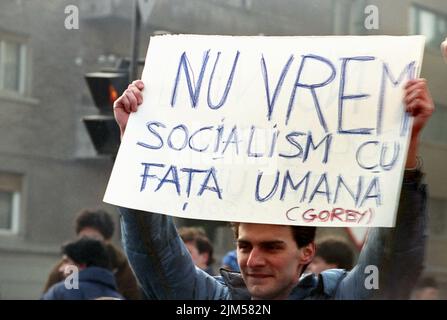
(91, 233)
(427, 293)
(270, 260)
(318, 265)
(198, 258)
(68, 265)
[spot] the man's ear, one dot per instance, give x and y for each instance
(307, 253)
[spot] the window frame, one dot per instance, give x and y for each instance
(15, 214)
(12, 182)
(22, 62)
(415, 15)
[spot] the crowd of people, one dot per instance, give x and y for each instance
(96, 260)
(91, 267)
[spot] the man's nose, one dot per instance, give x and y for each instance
(256, 258)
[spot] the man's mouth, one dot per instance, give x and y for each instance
(259, 275)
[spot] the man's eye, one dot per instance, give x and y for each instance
(243, 247)
(273, 247)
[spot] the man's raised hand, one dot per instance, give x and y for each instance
(128, 102)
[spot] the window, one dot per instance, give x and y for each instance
(429, 23)
(10, 186)
(436, 130)
(12, 66)
(8, 211)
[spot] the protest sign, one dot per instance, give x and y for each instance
(281, 130)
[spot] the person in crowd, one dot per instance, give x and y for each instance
(332, 253)
(89, 259)
(229, 261)
(199, 246)
(98, 224)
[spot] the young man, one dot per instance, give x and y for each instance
(273, 257)
(98, 224)
(95, 278)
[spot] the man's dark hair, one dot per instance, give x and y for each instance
(87, 251)
(189, 234)
(97, 219)
(336, 251)
(197, 236)
(302, 235)
(204, 245)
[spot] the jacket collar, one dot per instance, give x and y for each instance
(98, 275)
(239, 291)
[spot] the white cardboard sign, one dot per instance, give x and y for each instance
(282, 130)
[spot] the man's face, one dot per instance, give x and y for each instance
(198, 258)
(270, 259)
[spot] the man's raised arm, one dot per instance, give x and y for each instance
(157, 255)
(396, 255)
